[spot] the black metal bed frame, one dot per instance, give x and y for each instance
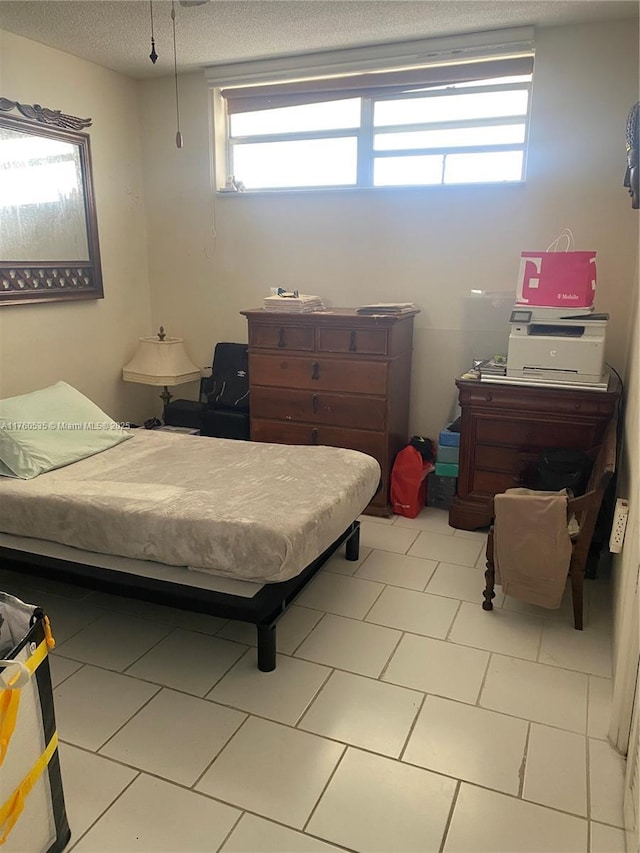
(263, 609)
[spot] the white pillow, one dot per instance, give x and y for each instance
(50, 428)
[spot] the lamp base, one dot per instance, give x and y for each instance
(166, 395)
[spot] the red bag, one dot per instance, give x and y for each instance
(409, 482)
(557, 278)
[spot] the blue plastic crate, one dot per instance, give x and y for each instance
(448, 454)
(449, 439)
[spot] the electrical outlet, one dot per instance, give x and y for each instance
(619, 526)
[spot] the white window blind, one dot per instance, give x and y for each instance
(428, 112)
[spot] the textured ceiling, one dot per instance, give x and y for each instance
(116, 33)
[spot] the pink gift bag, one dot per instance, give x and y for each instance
(557, 278)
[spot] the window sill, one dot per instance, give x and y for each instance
(413, 188)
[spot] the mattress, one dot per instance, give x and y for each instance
(250, 510)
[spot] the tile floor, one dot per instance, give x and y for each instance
(401, 717)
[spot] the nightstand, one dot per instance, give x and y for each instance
(505, 427)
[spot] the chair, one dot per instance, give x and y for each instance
(586, 509)
(223, 409)
(226, 414)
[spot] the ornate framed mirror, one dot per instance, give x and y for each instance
(49, 247)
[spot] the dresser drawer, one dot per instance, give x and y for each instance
(367, 341)
(319, 374)
(319, 408)
(276, 432)
(266, 336)
(532, 435)
(493, 482)
(486, 396)
(509, 460)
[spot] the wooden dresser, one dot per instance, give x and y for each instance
(505, 427)
(336, 378)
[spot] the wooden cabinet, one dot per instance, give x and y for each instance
(504, 428)
(336, 378)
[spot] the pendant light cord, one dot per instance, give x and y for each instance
(175, 75)
(153, 56)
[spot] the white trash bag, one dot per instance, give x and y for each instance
(32, 811)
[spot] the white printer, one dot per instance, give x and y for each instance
(556, 345)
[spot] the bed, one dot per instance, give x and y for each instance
(231, 528)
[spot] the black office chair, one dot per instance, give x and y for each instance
(223, 409)
(226, 413)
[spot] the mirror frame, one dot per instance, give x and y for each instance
(27, 282)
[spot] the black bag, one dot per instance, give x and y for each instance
(228, 386)
(424, 446)
(562, 468)
(183, 413)
(219, 423)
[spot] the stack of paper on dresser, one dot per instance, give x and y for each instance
(294, 304)
(392, 308)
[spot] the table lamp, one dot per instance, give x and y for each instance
(161, 361)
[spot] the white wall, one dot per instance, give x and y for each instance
(85, 343)
(212, 257)
(626, 565)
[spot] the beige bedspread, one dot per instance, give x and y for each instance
(247, 509)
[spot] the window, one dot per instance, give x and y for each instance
(445, 124)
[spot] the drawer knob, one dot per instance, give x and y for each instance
(281, 341)
(488, 397)
(315, 370)
(352, 341)
(314, 435)
(314, 403)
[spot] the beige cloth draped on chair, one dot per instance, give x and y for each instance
(534, 563)
(532, 547)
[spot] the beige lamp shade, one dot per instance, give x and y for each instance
(160, 362)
